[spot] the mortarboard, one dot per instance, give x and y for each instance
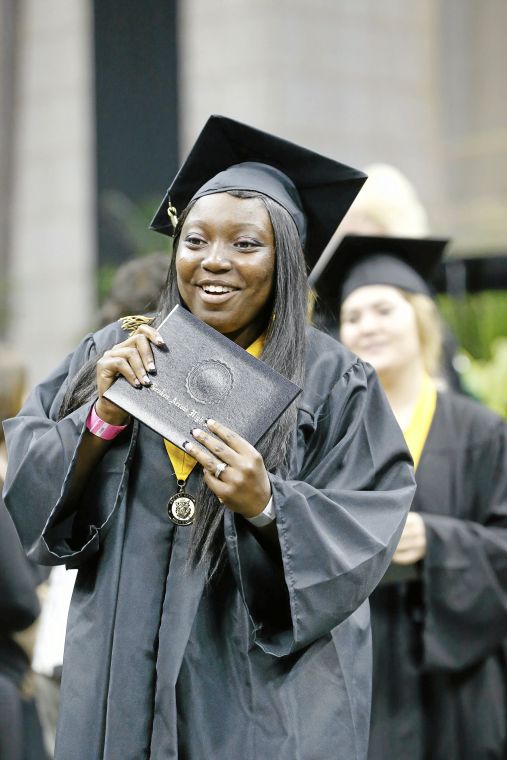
(457, 276)
(228, 155)
(359, 260)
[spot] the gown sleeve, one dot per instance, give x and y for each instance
(42, 453)
(465, 567)
(339, 518)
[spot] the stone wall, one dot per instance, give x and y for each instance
(355, 79)
(417, 84)
(52, 222)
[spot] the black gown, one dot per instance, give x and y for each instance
(272, 660)
(440, 665)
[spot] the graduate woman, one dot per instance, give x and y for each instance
(245, 635)
(439, 618)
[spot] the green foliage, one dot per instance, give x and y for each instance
(105, 275)
(476, 320)
(479, 324)
(132, 222)
(487, 379)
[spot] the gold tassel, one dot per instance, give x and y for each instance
(131, 323)
(172, 214)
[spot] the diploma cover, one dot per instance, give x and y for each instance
(200, 375)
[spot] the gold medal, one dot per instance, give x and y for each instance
(181, 507)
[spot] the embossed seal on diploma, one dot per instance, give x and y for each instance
(209, 381)
(203, 374)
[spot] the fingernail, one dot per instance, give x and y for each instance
(159, 341)
(152, 368)
(210, 421)
(186, 444)
(196, 432)
(146, 380)
(137, 383)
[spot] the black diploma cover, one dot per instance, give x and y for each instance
(200, 375)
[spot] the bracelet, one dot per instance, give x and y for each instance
(100, 428)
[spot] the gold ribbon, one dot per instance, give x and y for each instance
(418, 428)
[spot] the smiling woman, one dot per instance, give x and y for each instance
(379, 324)
(439, 619)
(245, 634)
(225, 264)
(242, 233)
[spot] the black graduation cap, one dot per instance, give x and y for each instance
(229, 155)
(473, 274)
(406, 263)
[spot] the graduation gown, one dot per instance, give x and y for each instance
(440, 667)
(271, 660)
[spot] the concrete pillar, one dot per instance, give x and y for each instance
(474, 121)
(8, 47)
(52, 241)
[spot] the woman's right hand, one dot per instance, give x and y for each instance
(133, 359)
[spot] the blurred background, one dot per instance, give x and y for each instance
(101, 99)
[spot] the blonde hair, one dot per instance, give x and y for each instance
(429, 330)
(388, 204)
(12, 384)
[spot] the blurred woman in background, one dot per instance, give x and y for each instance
(439, 618)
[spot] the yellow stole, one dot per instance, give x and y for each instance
(418, 428)
(183, 463)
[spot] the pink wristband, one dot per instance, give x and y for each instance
(102, 429)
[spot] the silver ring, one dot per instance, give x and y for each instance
(219, 469)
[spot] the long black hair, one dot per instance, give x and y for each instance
(284, 350)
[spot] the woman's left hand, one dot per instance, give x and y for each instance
(412, 546)
(243, 485)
